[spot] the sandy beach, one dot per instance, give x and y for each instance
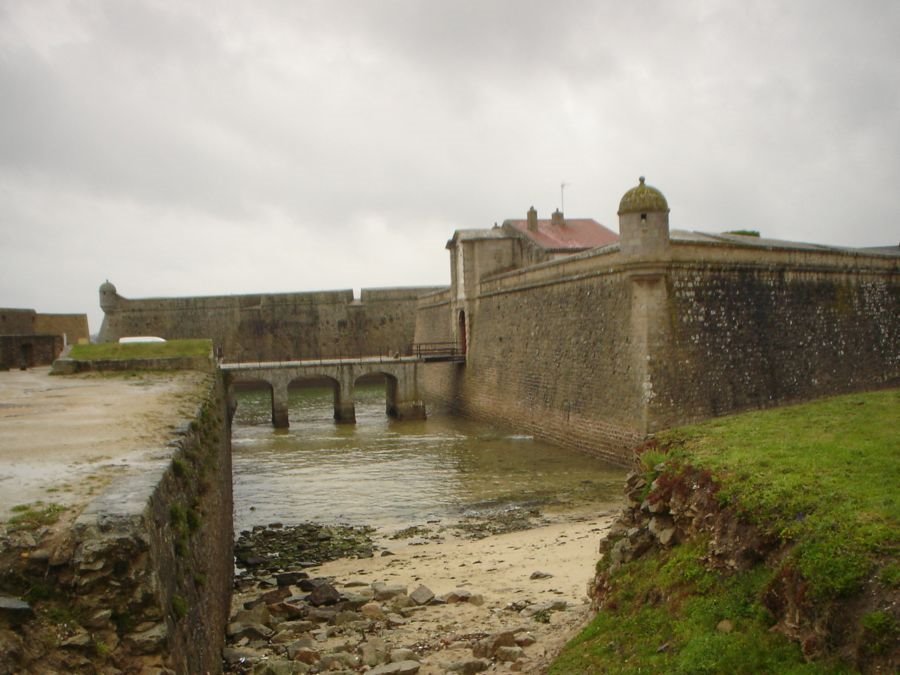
(62, 439)
(506, 578)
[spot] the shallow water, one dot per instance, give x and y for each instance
(392, 474)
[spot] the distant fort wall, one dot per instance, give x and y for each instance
(272, 327)
(29, 339)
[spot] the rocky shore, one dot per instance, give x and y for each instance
(428, 599)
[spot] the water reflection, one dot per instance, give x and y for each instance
(393, 474)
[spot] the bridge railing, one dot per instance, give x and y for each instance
(427, 351)
(434, 351)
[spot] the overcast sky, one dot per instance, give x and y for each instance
(196, 148)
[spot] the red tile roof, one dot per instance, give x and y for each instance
(574, 234)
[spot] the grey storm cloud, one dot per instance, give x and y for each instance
(225, 147)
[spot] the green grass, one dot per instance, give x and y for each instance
(32, 516)
(823, 477)
(114, 351)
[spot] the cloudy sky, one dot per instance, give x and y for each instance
(214, 147)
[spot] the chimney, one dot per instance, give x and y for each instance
(557, 218)
(532, 220)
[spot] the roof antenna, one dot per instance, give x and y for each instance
(562, 196)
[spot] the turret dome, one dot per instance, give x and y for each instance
(643, 199)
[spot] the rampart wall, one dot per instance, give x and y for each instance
(735, 338)
(272, 327)
(73, 326)
(29, 322)
(598, 350)
(153, 560)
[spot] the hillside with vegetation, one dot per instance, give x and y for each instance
(758, 543)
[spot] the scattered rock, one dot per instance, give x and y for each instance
(324, 594)
(540, 575)
(15, 611)
(509, 654)
(525, 639)
(402, 655)
(725, 626)
(469, 666)
(422, 595)
(373, 652)
(385, 591)
(290, 578)
(372, 610)
(398, 668)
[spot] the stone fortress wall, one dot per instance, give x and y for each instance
(29, 339)
(272, 327)
(597, 349)
(600, 349)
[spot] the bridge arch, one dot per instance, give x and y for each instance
(391, 388)
(401, 374)
(343, 398)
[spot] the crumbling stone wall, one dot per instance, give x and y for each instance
(145, 573)
(275, 327)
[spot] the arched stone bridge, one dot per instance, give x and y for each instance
(403, 400)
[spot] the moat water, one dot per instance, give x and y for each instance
(392, 474)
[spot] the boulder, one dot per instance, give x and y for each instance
(324, 594)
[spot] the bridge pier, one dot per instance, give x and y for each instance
(280, 405)
(403, 402)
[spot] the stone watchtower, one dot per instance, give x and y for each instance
(643, 222)
(108, 296)
(109, 302)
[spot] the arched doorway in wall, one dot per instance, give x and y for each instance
(461, 331)
(372, 380)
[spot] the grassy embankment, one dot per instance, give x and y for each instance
(821, 479)
(114, 351)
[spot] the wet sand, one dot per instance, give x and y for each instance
(62, 439)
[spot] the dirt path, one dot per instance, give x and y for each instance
(63, 438)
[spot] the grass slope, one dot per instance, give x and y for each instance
(114, 351)
(823, 477)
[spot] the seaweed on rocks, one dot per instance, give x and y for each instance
(277, 547)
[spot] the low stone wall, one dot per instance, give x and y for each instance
(146, 571)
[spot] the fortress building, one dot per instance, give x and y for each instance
(29, 338)
(587, 338)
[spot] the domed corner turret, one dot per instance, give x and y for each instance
(643, 221)
(108, 296)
